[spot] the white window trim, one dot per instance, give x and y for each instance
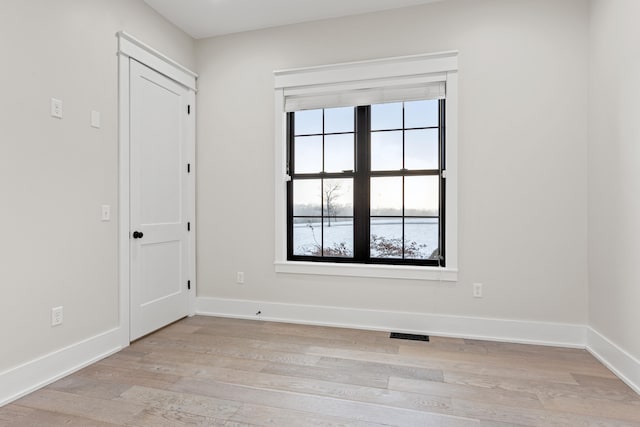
(352, 76)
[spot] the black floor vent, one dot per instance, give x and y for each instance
(412, 337)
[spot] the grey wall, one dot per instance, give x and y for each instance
(614, 173)
(523, 148)
(55, 174)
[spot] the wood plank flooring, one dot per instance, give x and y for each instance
(209, 371)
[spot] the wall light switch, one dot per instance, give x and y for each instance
(105, 213)
(95, 119)
(56, 108)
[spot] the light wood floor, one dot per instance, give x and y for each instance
(224, 372)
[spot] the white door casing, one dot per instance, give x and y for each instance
(157, 189)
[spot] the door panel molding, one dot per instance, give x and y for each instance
(159, 200)
(131, 48)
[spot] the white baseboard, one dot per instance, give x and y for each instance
(30, 376)
(621, 363)
(516, 331)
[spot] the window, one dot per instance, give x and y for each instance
(362, 184)
(366, 184)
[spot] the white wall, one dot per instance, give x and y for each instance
(523, 115)
(614, 173)
(55, 174)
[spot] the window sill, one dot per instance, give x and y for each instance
(366, 270)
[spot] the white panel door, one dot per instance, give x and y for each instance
(159, 200)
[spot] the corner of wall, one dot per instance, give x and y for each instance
(621, 363)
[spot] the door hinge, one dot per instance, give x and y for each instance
(188, 167)
(188, 109)
(188, 226)
(189, 284)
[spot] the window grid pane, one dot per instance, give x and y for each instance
(403, 175)
(330, 234)
(407, 198)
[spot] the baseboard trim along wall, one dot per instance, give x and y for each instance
(621, 363)
(30, 376)
(516, 331)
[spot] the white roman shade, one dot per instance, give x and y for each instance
(333, 97)
(405, 78)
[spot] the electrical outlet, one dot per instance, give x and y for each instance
(477, 290)
(56, 316)
(240, 277)
(56, 108)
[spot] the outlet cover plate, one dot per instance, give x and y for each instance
(56, 108)
(56, 316)
(477, 290)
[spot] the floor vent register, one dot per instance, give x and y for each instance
(412, 337)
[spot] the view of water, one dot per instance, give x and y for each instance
(421, 235)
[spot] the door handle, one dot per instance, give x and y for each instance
(137, 235)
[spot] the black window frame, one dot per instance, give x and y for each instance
(362, 175)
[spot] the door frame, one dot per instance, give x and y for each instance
(131, 48)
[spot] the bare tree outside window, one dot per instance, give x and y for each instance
(331, 196)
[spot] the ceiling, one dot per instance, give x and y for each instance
(208, 18)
